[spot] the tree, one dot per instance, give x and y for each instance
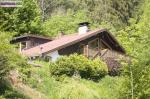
(113, 12)
(67, 23)
(24, 19)
(136, 39)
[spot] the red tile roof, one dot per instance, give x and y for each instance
(60, 43)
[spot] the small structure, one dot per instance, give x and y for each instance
(29, 41)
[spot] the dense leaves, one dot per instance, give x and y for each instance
(29, 18)
(8, 56)
(79, 65)
(10, 60)
(136, 40)
(67, 23)
(24, 19)
(113, 12)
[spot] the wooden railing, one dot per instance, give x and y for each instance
(103, 54)
(93, 53)
(110, 54)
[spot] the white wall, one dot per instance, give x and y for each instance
(54, 55)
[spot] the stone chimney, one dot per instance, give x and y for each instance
(83, 28)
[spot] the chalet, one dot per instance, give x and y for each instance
(91, 43)
(28, 41)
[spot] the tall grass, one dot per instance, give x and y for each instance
(77, 88)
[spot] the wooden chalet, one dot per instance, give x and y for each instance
(90, 43)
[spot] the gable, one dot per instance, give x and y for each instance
(70, 40)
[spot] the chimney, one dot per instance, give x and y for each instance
(83, 28)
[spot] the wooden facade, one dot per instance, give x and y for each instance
(97, 43)
(92, 47)
(96, 47)
(29, 41)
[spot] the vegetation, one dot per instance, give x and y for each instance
(66, 14)
(136, 41)
(67, 23)
(79, 65)
(75, 76)
(10, 60)
(7, 61)
(25, 19)
(76, 87)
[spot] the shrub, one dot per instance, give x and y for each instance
(79, 65)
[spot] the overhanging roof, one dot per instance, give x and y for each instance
(26, 37)
(67, 41)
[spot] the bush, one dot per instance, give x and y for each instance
(79, 65)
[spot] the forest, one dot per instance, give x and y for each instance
(75, 76)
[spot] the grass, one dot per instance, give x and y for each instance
(75, 87)
(7, 91)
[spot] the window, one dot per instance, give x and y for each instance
(94, 44)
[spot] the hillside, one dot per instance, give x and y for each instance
(75, 76)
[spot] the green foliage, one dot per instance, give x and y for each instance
(115, 90)
(13, 94)
(114, 13)
(7, 56)
(8, 92)
(64, 15)
(23, 19)
(9, 59)
(79, 65)
(67, 23)
(4, 69)
(136, 40)
(141, 72)
(1, 97)
(77, 88)
(41, 80)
